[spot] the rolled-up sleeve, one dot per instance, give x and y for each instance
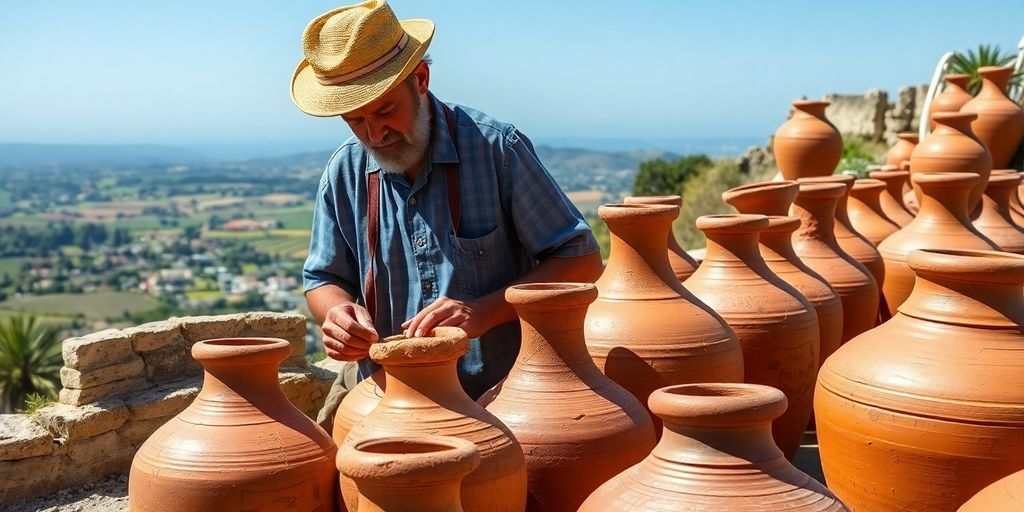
(331, 260)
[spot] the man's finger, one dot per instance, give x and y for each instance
(364, 320)
(354, 328)
(415, 321)
(340, 336)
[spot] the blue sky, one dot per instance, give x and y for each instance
(217, 72)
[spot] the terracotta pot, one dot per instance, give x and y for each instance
(240, 445)
(359, 402)
(994, 220)
(953, 147)
(902, 149)
(423, 397)
(716, 454)
(1005, 495)
(808, 144)
(681, 262)
(1016, 208)
(776, 325)
(891, 200)
(923, 411)
(645, 330)
(1000, 122)
(942, 223)
(865, 211)
(577, 427)
(952, 97)
(417, 474)
(815, 243)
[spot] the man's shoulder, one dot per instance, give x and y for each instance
(344, 162)
(487, 126)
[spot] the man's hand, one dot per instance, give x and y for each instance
(348, 332)
(471, 317)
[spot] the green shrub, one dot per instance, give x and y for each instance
(661, 177)
(702, 195)
(858, 154)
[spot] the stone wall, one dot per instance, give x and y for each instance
(120, 385)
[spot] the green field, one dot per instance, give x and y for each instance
(288, 243)
(11, 266)
(97, 305)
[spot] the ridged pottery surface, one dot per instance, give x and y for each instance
(925, 410)
(900, 151)
(645, 330)
(577, 427)
(1000, 122)
(423, 397)
(359, 402)
(808, 144)
(953, 147)
(1005, 495)
(415, 474)
(952, 97)
(891, 200)
(865, 211)
(681, 262)
(240, 445)
(815, 243)
(1016, 207)
(942, 223)
(716, 454)
(909, 195)
(775, 324)
(994, 220)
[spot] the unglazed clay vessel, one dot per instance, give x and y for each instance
(942, 223)
(902, 149)
(577, 427)
(953, 147)
(815, 243)
(415, 474)
(359, 402)
(681, 262)
(1005, 495)
(994, 220)
(808, 144)
(865, 211)
(423, 397)
(925, 410)
(240, 445)
(891, 200)
(716, 454)
(1000, 122)
(776, 325)
(1016, 208)
(952, 97)
(645, 330)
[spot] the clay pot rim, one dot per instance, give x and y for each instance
(420, 458)
(241, 351)
(797, 104)
(666, 200)
(1006, 171)
(884, 174)
(551, 295)
(733, 223)
(945, 179)
(913, 137)
(782, 224)
(718, 404)
(445, 344)
(957, 76)
(784, 186)
(951, 118)
(831, 190)
(868, 185)
(847, 181)
(620, 211)
(1003, 180)
(995, 71)
(970, 265)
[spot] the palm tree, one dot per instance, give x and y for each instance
(30, 361)
(986, 55)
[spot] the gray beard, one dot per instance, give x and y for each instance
(412, 148)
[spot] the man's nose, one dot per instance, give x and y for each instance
(376, 132)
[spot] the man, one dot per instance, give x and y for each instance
(430, 211)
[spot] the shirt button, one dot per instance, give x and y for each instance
(421, 242)
(428, 284)
(481, 252)
(412, 200)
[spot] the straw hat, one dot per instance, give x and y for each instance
(355, 54)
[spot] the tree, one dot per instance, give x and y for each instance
(660, 177)
(986, 55)
(30, 361)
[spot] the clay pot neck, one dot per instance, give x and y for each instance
(998, 195)
(777, 244)
(912, 138)
(944, 203)
(241, 371)
(423, 368)
(769, 198)
(953, 123)
(817, 218)
(733, 249)
(958, 82)
(994, 80)
(638, 264)
(552, 317)
(810, 108)
(871, 197)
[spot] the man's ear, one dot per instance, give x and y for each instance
(422, 74)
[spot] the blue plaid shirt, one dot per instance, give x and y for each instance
(513, 214)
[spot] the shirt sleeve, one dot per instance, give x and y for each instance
(546, 222)
(330, 260)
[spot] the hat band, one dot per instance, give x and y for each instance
(369, 68)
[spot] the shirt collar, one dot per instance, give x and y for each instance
(442, 147)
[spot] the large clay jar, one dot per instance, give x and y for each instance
(360, 401)
(808, 144)
(1016, 208)
(1005, 495)
(417, 474)
(815, 243)
(423, 397)
(240, 445)
(923, 411)
(716, 454)
(942, 223)
(865, 211)
(645, 330)
(953, 147)
(681, 262)
(952, 97)
(1000, 122)
(577, 427)
(891, 200)
(900, 151)
(776, 326)
(994, 220)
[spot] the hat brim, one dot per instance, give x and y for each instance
(320, 100)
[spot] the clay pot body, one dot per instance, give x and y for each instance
(240, 445)
(942, 223)
(994, 220)
(358, 403)
(645, 330)
(776, 326)
(423, 396)
(952, 147)
(1005, 495)
(716, 454)
(577, 427)
(923, 411)
(865, 211)
(1000, 122)
(891, 200)
(815, 243)
(952, 97)
(1016, 207)
(681, 262)
(808, 144)
(900, 151)
(418, 474)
